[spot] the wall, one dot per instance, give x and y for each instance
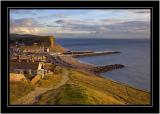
(16, 77)
(35, 79)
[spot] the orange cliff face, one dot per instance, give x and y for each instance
(55, 47)
(52, 41)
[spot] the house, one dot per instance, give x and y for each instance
(29, 58)
(35, 49)
(29, 68)
(41, 71)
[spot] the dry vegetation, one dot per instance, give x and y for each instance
(49, 81)
(83, 89)
(123, 93)
(19, 89)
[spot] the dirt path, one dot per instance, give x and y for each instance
(32, 97)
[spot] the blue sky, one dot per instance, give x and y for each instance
(82, 23)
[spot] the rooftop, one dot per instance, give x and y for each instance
(24, 65)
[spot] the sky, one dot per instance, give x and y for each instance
(82, 23)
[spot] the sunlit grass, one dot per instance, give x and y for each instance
(49, 80)
(83, 89)
(123, 93)
(19, 89)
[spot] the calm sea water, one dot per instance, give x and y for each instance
(135, 55)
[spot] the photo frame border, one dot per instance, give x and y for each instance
(81, 5)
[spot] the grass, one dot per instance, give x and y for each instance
(59, 70)
(49, 81)
(76, 94)
(83, 89)
(123, 93)
(19, 89)
(48, 97)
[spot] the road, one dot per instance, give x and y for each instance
(31, 98)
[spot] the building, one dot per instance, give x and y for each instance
(35, 49)
(29, 68)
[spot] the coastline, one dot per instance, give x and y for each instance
(121, 83)
(86, 78)
(84, 65)
(85, 62)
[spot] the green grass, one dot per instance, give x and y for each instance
(72, 94)
(19, 89)
(59, 70)
(76, 94)
(123, 93)
(49, 81)
(48, 97)
(83, 89)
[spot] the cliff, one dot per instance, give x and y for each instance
(29, 40)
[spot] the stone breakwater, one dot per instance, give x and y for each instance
(69, 61)
(90, 53)
(101, 69)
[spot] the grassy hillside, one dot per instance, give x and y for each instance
(123, 93)
(19, 89)
(49, 81)
(76, 94)
(82, 89)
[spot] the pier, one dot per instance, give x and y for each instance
(89, 53)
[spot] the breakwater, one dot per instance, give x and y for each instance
(71, 62)
(101, 69)
(89, 53)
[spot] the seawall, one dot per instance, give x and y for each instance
(84, 54)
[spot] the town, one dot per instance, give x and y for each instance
(28, 61)
(60, 57)
(37, 69)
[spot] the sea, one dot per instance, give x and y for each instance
(135, 54)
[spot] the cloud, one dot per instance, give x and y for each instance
(131, 26)
(27, 11)
(25, 26)
(26, 30)
(60, 21)
(143, 11)
(105, 25)
(93, 23)
(60, 15)
(24, 22)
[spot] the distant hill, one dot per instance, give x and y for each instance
(29, 39)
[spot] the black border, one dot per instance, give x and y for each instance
(72, 4)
